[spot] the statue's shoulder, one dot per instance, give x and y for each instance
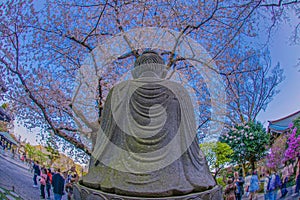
(119, 88)
(121, 84)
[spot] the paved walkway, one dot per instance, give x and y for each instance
(290, 195)
(15, 176)
(8, 156)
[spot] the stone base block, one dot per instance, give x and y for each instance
(84, 193)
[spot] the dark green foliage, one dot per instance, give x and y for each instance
(249, 142)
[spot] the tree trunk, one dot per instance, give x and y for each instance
(252, 165)
(216, 174)
(244, 169)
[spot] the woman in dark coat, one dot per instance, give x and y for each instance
(230, 190)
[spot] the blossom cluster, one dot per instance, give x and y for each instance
(248, 141)
(293, 145)
(280, 153)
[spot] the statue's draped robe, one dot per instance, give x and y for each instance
(147, 144)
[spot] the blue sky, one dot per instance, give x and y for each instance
(288, 55)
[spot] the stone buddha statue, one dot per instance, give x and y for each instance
(147, 145)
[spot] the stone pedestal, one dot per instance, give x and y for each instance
(84, 193)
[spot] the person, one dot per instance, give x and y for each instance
(266, 184)
(37, 172)
(24, 157)
(58, 184)
(2, 145)
(274, 185)
(285, 171)
(72, 178)
(291, 169)
(48, 182)
(42, 167)
(31, 164)
(247, 183)
(297, 178)
(285, 178)
(69, 189)
(43, 179)
(230, 190)
(254, 186)
(149, 133)
(239, 181)
(13, 153)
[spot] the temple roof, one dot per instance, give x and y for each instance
(282, 124)
(8, 137)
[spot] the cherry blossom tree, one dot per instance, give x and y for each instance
(44, 45)
(250, 92)
(249, 143)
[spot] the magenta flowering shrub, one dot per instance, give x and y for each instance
(293, 145)
(276, 153)
(285, 148)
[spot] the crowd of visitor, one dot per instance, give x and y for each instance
(47, 180)
(273, 182)
(61, 183)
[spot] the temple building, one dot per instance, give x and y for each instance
(6, 140)
(279, 126)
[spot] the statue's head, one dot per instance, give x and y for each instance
(149, 64)
(149, 57)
